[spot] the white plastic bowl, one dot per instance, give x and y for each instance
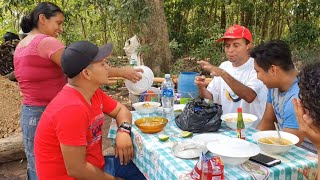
(233, 124)
(146, 110)
(210, 137)
(275, 148)
(233, 151)
(144, 84)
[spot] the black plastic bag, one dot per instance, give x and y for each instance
(200, 116)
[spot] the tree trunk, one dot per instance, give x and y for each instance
(211, 12)
(155, 34)
(11, 148)
(264, 24)
(223, 16)
(283, 18)
(215, 13)
(242, 17)
(184, 21)
(83, 28)
(248, 18)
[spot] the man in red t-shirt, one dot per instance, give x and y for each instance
(68, 141)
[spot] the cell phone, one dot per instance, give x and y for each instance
(265, 160)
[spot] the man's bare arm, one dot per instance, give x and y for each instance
(76, 165)
(243, 91)
(200, 81)
(126, 72)
(204, 93)
(268, 119)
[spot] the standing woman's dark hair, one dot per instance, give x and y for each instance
(31, 21)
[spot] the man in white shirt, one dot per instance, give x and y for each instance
(235, 82)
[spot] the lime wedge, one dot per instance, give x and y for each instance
(163, 138)
(186, 134)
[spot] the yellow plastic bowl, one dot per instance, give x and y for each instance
(151, 124)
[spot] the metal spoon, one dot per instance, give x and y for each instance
(277, 128)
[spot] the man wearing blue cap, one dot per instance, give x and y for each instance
(68, 141)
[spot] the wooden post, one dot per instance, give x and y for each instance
(11, 148)
(156, 80)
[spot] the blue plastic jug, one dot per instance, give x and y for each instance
(186, 86)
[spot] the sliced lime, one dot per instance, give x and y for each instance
(163, 138)
(186, 134)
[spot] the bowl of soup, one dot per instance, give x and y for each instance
(269, 141)
(146, 107)
(231, 119)
(151, 125)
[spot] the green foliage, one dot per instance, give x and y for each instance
(117, 85)
(114, 86)
(304, 33)
(304, 41)
(188, 24)
(208, 49)
(145, 48)
(117, 61)
(175, 47)
(300, 53)
(99, 21)
(134, 10)
(177, 67)
(193, 25)
(192, 30)
(11, 12)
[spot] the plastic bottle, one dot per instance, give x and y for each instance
(167, 99)
(133, 61)
(240, 125)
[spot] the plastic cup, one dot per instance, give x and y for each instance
(184, 100)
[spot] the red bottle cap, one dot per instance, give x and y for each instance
(239, 110)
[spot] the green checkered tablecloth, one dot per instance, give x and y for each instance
(156, 161)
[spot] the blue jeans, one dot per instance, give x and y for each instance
(30, 116)
(129, 172)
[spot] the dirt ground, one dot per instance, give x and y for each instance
(10, 102)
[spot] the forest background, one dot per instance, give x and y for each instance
(176, 33)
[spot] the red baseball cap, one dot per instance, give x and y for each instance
(236, 31)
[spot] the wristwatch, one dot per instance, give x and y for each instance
(126, 125)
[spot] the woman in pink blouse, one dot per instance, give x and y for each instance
(37, 63)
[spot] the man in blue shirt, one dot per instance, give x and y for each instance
(276, 70)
